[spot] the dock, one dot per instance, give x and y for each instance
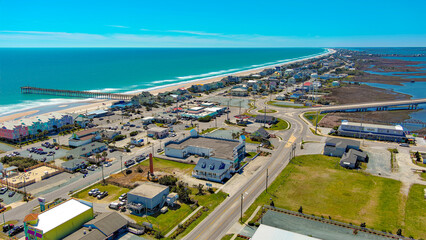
(76, 94)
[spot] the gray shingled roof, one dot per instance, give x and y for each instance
(108, 223)
(93, 234)
(212, 166)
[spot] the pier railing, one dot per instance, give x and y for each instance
(77, 94)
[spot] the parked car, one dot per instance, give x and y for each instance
(108, 164)
(404, 145)
(91, 168)
(129, 163)
(159, 150)
(7, 227)
(84, 171)
(11, 194)
(102, 195)
(15, 230)
(3, 190)
(140, 158)
(123, 196)
(56, 148)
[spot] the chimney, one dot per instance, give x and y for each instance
(151, 164)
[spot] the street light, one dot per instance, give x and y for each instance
(242, 197)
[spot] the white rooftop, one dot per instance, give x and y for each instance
(56, 216)
(369, 125)
(195, 108)
(213, 109)
(268, 232)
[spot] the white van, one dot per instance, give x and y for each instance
(114, 205)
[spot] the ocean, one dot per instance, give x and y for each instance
(122, 70)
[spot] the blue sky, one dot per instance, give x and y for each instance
(143, 23)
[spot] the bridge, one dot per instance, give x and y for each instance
(375, 106)
(77, 94)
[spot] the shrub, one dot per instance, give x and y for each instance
(134, 133)
(119, 137)
(20, 162)
(168, 180)
(251, 223)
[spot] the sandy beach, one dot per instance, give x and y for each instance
(101, 103)
(17, 115)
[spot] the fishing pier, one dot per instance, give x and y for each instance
(76, 94)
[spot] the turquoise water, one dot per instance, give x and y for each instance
(122, 69)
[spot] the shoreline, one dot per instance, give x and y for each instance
(94, 104)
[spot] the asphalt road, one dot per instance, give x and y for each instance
(225, 215)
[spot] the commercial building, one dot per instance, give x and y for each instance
(74, 164)
(97, 114)
(228, 151)
(87, 150)
(25, 128)
(336, 147)
(265, 119)
(157, 132)
(212, 170)
(84, 137)
(373, 131)
(106, 225)
(59, 221)
(147, 196)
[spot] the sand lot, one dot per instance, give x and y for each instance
(33, 174)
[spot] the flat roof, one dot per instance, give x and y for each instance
(148, 189)
(390, 127)
(268, 232)
(60, 214)
(221, 148)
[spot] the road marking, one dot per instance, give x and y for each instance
(290, 141)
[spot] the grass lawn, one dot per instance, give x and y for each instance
(229, 236)
(415, 215)
(312, 117)
(190, 128)
(248, 140)
(274, 103)
(423, 175)
(169, 166)
(208, 130)
(211, 201)
(113, 193)
(251, 154)
(322, 187)
(268, 111)
(280, 125)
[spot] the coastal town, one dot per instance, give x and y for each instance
(303, 149)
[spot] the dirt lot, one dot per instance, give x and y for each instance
(383, 117)
(362, 93)
(140, 171)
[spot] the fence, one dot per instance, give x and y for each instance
(17, 185)
(336, 223)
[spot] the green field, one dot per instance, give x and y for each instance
(169, 166)
(268, 111)
(280, 125)
(274, 103)
(322, 187)
(113, 193)
(312, 117)
(415, 213)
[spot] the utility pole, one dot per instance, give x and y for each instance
(121, 160)
(316, 123)
(103, 178)
(264, 118)
(267, 176)
(227, 112)
(241, 218)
